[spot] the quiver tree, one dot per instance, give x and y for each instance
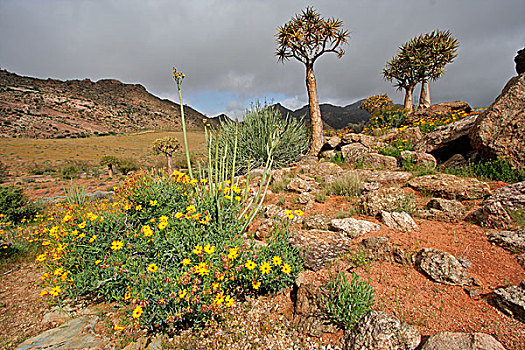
(110, 162)
(306, 37)
(402, 71)
(167, 146)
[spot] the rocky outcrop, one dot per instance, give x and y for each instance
(381, 249)
(398, 221)
(497, 210)
(447, 140)
(377, 330)
(451, 186)
(520, 61)
(387, 199)
(444, 210)
(442, 267)
(511, 301)
(310, 313)
(500, 130)
(510, 240)
(462, 341)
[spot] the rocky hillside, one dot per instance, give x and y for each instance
(334, 117)
(50, 108)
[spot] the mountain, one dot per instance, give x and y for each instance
(50, 108)
(334, 117)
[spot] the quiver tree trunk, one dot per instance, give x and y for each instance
(316, 123)
(408, 99)
(424, 97)
(110, 170)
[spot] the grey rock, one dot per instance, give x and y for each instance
(399, 221)
(387, 199)
(77, 333)
(442, 267)
(321, 247)
(451, 186)
(354, 152)
(376, 330)
(446, 210)
(462, 341)
(317, 222)
(387, 178)
(510, 240)
(495, 211)
(333, 142)
(381, 249)
(456, 161)
(265, 229)
(418, 159)
(379, 161)
(305, 198)
(301, 185)
(351, 227)
(328, 153)
(511, 301)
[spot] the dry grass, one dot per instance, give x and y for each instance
(21, 154)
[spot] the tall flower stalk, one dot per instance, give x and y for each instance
(179, 76)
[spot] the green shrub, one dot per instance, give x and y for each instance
(500, 169)
(386, 118)
(376, 103)
(3, 171)
(338, 159)
(263, 127)
(127, 165)
(70, 171)
(347, 302)
(15, 205)
(348, 185)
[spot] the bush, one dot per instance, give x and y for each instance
(263, 127)
(127, 165)
(3, 172)
(500, 169)
(15, 205)
(386, 118)
(174, 252)
(348, 185)
(376, 103)
(72, 169)
(347, 302)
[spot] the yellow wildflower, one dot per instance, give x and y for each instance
(43, 292)
(182, 293)
(276, 260)
(209, 249)
(250, 265)
(116, 245)
(82, 224)
(54, 291)
(233, 253)
(198, 249)
(186, 262)
(256, 284)
(265, 268)
(137, 312)
(286, 269)
(152, 268)
(148, 232)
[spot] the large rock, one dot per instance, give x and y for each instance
(352, 228)
(379, 161)
(462, 341)
(321, 247)
(387, 199)
(442, 267)
(520, 61)
(321, 169)
(398, 221)
(310, 313)
(366, 140)
(445, 210)
(317, 222)
(451, 186)
(418, 159)
(386, 178)
(448, 140)
(497, 210)
(381, 249)
(354, 152)
(500, 130)
(376, 330)
(302, 185)
(511, 301)
(510, 240)
(77, 333)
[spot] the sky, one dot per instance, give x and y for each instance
(226, 48)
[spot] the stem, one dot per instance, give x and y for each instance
(184, 132)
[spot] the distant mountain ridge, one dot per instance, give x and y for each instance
(335, 117)
(50, 108)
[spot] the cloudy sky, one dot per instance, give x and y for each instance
(226, 47)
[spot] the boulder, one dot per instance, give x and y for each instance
(510, 240)
(376, 330)
(454, 162)
(321, 169)
(398, 221)
(321, 247)
(332, 142)
(354, 152)
(387, 199)
(496, 211)
(520, 61)
(511, 301)
(317, 222)
(448, 140)
(366, 140)
(500, 130)
(329, 153)
(265, 229)
(379, 161)
(384, 177)
(305, 198)
(301, 185)
(462, 341)
(451, 186)
(351, 227)
(445, 210)
(442, 267)
(78, 333)
(310, 313)
(381, 249)
(418, 159)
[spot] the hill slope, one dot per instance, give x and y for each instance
(50, 108)
(334, 117)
